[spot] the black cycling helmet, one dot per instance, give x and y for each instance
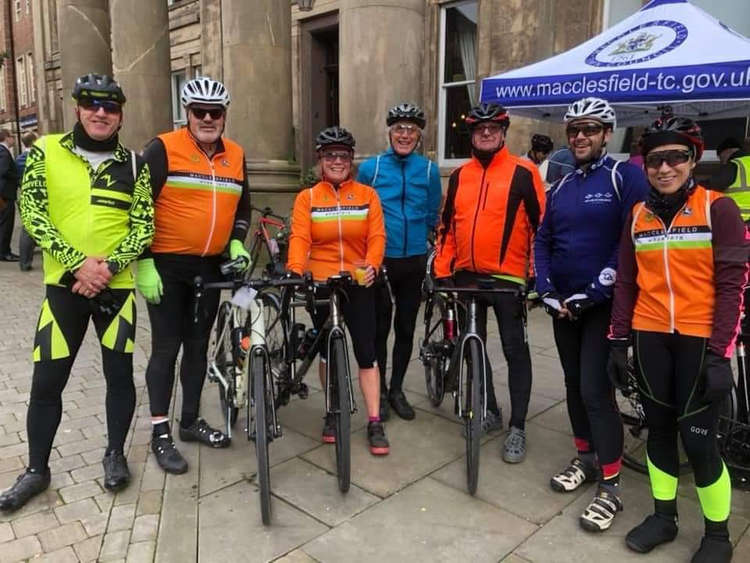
(483, 113)
(677, 130)
(334, 136)
(98, 87)
(406, 112)
(542, 143)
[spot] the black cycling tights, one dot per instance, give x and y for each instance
(60, 332)
(173, 325)
(669, 367)
(405, 276)
(584, 349)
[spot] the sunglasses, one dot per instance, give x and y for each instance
(94, 105)
(672, 158)
(405, 129)
(200, 113)
(587, 130)
(333, 156)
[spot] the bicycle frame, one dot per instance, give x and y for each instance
(337, 331)
(471, 334)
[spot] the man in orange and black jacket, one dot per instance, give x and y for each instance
(493, 207)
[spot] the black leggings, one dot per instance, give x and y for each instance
(173, 326)
(405, 276)
(358, 308)
(60, 332)
(584, 349)
(510, 312)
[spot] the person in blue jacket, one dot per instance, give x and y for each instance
(410, 192)
(575, 253)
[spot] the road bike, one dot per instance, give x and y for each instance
(456, 362)
(272, 235)
(241, 363)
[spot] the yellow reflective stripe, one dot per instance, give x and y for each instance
(57, 347)
(663, 485)
(716, 498)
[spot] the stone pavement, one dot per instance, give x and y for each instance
(409, 506)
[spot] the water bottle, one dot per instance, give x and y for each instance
(273, 247)
(306, 344)
(449, 323)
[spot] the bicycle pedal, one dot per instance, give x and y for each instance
(303, 392)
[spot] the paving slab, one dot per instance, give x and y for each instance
(563, 540)
(418, 447)
(316, 492)
(522, 488)
(238, 506)
(427, 521)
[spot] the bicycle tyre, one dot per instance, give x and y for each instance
(435, 366)
(223, 357)
(275, 340)
(342, 410)
(472, 411)
(257, 369)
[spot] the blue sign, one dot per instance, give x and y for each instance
(639, 44)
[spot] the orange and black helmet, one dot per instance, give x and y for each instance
(485, 113)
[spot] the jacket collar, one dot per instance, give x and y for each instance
(598, 163)
(219, 144)
(120, 154)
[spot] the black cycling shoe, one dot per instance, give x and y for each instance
(116, 473)
(713, 549)
(167, 456)
(400, 405)
(653, 531)
(27, 485)
(385, 411)
(200, 431)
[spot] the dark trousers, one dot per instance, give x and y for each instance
(173, 326)
(405, 276)
(61, 328)
(584, 349)
(7, 221)
(26, 247)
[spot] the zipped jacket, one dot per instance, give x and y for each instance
(336, 230)
(410, 193)
(200, 201)
(490, 216)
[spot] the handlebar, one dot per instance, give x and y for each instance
(475, 290)
(267, 212)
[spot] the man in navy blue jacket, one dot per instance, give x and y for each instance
(575, 254)
(410, 192)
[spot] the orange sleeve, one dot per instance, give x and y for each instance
(445, 252)
(301, 238)
(375, 232)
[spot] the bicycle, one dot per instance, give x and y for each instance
(247, 379)
(456, 362)
(339, 397)
(271, 233)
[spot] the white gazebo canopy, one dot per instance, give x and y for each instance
(668, 53)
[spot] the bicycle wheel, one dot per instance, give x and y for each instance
(472, 411)
(434, 360)
(224, 360)
(275, 340)
(257, 369)
(342, 410)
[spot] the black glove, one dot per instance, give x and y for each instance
(531, 292)
(716, 373)
(578, 304)
(552, 304)
(444, 283)
(292, 275)
(617, 364)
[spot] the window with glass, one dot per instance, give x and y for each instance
(23, 99)
(2, 89)
(30, 77)
(458, 88)
(17, 9)
(178, 112)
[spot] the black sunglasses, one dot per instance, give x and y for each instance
(587, 130)
(672, 158)
(108, 106)
(200, 113)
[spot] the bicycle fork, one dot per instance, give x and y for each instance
(338, 332)
(471, 334)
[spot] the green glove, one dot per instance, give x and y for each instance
(237, 251)
(148, 281)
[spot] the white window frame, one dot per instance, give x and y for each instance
(442, 88)
(179, 117)
(17, 9)
(28, 6)
(23, 99)
(3, 91)
(30, 77)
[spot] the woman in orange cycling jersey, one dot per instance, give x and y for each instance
(337, 225)
(678, 296)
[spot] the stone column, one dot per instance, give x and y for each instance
(256, 52)
(83, 30)
(381, 46)
(140, 60)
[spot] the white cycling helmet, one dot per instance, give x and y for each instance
(594, 108)
(204, 90)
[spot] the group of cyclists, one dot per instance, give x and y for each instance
(620, 257)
